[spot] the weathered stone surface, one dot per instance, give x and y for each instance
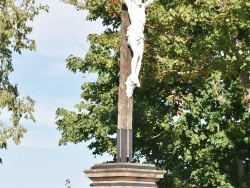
(124, 175)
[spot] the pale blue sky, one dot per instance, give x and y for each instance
(39, 162)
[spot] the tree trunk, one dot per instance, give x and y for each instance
(245, 77)
(240, 169)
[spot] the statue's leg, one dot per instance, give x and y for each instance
(139, 62)
(134, 62)
(131, 80)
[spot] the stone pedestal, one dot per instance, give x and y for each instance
(124, 175)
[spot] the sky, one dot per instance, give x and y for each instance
(38, 161)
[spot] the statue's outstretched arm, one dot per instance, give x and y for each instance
(147, 3)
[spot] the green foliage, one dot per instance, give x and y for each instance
(68, 183)
(191, 114)
(98, 97)
(14, 31)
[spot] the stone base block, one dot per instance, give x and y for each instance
(124, 175)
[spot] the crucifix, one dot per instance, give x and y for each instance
(124, 173)
(133, 20)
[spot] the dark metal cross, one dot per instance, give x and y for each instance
(125, 104)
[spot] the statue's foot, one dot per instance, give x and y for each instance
(130, 86)
(135, 80)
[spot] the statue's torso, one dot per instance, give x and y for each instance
(138, 19)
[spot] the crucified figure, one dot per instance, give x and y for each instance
(135, 37)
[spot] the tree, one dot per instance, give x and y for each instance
(14, 31)
(191, 114)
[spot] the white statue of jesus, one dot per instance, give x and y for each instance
(135, 37)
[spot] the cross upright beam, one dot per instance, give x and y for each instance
(125, 104)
